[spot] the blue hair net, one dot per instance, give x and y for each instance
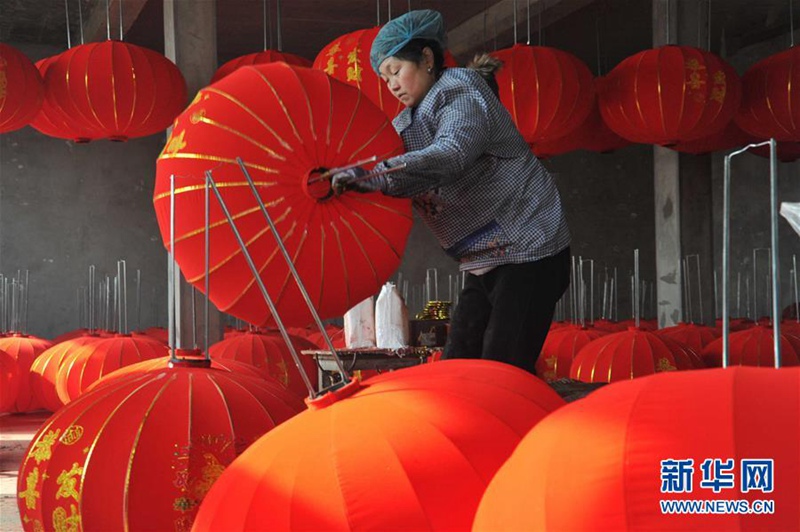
(395, 34)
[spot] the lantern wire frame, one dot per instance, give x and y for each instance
(726, 248)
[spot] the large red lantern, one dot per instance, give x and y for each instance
(669, 95)
(560, 348)
(259, 58)
(141, 453)
(24, 349)
(548, 92)
(288, 124)
(45, 368)
(626, 355)
(771, 97)
(616, 459)
(270, 355)
(20, 89)
(731, 136)
(694, 336)
(411, 449)
(93, 360)
(52, 121)
(9, 382)
(754, 346)
(115, 90)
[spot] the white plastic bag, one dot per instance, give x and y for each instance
(791, 211)
(359, 325)
(391, 318)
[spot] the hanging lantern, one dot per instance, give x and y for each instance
(560, 348)
(141, 453)
(116, 90)
(71, 335)
(771, 98)
(753, 346)
(87, 364)
(336, 334)
(288, 124)
(46, 366)
(259, 58)
(626, 355)
(608, 325)
(269, 354)
(159, 333)
(24, 349)
(696, 337)
(52, 121)
(609, 460)
(9, 382)
(20, 89)
(548, 92)
(411, 449)
(669, 95)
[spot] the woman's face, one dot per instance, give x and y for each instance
(408, 81)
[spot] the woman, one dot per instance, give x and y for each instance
(474, 181)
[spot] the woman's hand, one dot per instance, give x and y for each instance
(353, 179)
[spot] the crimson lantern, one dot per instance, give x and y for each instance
(141, 453)
(771, 97)
(669, 95)
(9, 382)
(20, 89)
(289, 125)
(560, 348)
(45, 368)
(754, 346)
(412, 449)
(115, 90)
(52, 121)
(24, 349)
(258, 58)
(725, 438)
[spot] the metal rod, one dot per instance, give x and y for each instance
(776, 273)
(636, 285)
(370, 175)
(138, 300)
(118, 290)
(614, 291)
(699, 290)
(66, 10)
(263, 289)
(80, 18)
(791, 22)
(541, 29)
(91, 298)
(528, 6)
(121, 2)
(278, 24)
(389, 10)
(27, 292)
(378, 12)
(264, 20)
(206, 268)
(686, 306)
(796, 298)
(330, 172)
(194, 318)
(171, 288)
(108, 21)
(515, 21)
(292, 269)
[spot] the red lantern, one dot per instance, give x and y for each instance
(770, 97)
(728, 138)
(9, 382)
(412, 449)
(607, 461)
(270, 355)
(159, 333)
(336, 334)
(692, 335)
(52, 121)
(20, 89)
(259, 58)
(45, 367)
(786, 152)
(669, 95)
(24, 349)
(115, 90)
(626, 355)
(288, 124)
(560, 348)
(753, 346)
(141, 453)
(90, 362)
(548, 92)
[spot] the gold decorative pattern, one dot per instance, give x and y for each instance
(664, 365)
(67, 482)
(197, 116)
(43, 448)
(66, 523)
(283, 373)
(354, 67)
(175, 144)
(201, 117)
(31, 493)
(719, 87)
(72, 435)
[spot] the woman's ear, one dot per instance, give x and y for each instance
(427, 56)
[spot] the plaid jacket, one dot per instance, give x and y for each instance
(473, 179)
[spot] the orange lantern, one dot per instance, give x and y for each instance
(259, 58)
(548, 92)
(753, 346)
(46, 366)
(24, 349)
(626, 355)
(770, 97)
(115, 90)
(669, 95)
(288, 124)
(20, 89)
(9, 382)
(95, 359)
(560, 348)
(141, 453)
(412, 449)
(619, 458)
(270, 355)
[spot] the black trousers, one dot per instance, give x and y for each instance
(505, 314)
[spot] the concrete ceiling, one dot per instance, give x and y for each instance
(308, 25)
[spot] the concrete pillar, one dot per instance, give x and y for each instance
(190, 40)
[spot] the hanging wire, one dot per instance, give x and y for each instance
(515, 21)
(120, 19)
(278, 24)
(80, 18)
(528, 6)
(108, 22)
(389, 10)
(66, 10)
(264, 20)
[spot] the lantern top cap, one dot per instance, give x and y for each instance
(395, 34)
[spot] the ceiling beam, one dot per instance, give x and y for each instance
(499, 19)
(94, 28)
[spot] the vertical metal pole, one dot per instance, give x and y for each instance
(726, 257)
(207, 281)
(278, 24)
(66, 10)
(138, 300)
(796, 298)
(265, 294)
(108, 22)
(171, 288)
(80, 19)
(699, 289)
(120, 19)
(776, 274)
(636, 309)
